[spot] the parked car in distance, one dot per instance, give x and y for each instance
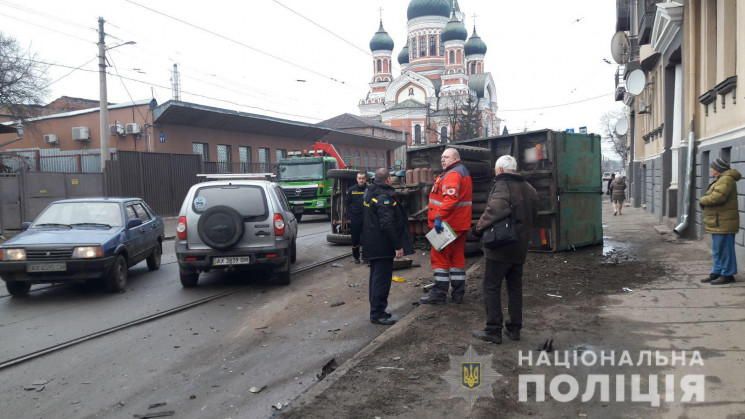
(235, 224)
(83, 239)
(606, 176)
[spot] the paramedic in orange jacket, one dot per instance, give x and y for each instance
(450, 200)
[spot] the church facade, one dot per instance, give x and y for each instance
(443, 92)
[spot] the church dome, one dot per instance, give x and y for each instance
(419, 8)
(381, 40)
(475, 46)
(455, 30)
(403, 56)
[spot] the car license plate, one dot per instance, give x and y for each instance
(231, 260)
(298, 202)
(46, 267)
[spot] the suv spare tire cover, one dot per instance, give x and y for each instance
(220, 227)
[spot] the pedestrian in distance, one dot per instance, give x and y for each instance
(385, 236)
(354, 209)
(722, 220)
(607, 187)
(510, 195)
(618, 194)
(450, 201)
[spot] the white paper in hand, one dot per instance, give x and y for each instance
(439, 241)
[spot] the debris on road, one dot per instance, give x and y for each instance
(413, 377)
(37, 385)
(334, 330)
(355, 285)
(390, 368)
(554, 295)
(256, 389)
(397, 279)
(155, 414)
(627, 289)
(154, 405)
(278, 406)
(192, 397)
(337, 265)
(548, 346)
(337, 304)
(327, 369)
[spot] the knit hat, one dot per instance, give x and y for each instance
(720, 165)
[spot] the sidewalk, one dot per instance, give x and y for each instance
(578, 300)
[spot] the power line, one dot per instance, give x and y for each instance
(555, 106)
(73, 70)
(238, 43)
(47, 28)
(54, 18)
(113, 63)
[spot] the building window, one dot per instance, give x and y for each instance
(357, 158)
(244, 156)
(348, 157)
(382, 160)
(263, 160)
(473, 68)
(413, 48)
(380, 66)
(442, 47)
(458, 57)
(452, 57)
(375, 160)
(423, 46)
(202, 149)
(417, 134)
(279, 154)
(432, 50)
(224, 159)
(366, 162)
(444, 135)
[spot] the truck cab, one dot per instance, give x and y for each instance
(305, 183)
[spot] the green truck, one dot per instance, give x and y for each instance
(306, 184)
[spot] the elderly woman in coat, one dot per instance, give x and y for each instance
(722, 221)
(618, 194)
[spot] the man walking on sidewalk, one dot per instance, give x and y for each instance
(722, 221)
(353, 207)
(385, 235)
(511, 194)
(450, 201)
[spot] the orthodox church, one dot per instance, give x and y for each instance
(442, 78)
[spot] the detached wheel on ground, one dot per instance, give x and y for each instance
(18, 289)
(339, 238)
(342, 174)
(116, 280)
(153, 261)
(189, 278)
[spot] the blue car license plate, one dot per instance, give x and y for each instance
(46, 267)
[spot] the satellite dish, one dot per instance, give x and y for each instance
(622, 127)
(620, 48)
(636, 81)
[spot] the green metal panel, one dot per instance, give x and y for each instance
(579, 184)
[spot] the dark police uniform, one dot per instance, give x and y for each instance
(353, 206)
(385, 230)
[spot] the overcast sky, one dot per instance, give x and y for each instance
(310, 60)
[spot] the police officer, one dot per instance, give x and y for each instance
(353, 207)
(385, 235)
(450, 200)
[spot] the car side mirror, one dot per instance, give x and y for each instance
(135, 222)
(25, 226)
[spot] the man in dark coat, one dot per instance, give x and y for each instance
(511, 194)
(385, 235)
(353, 207)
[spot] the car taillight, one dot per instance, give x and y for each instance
(181, 228)
(279, 225)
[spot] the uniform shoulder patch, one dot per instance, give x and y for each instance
(450, 191)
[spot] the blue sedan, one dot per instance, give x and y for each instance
(85, 239)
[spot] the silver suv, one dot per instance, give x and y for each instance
(235, 224)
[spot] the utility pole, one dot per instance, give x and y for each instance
(104, 128)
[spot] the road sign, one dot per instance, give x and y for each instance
(583, 130)
(570, 130)
(162, 137)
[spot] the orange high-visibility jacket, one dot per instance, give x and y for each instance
(451, 198)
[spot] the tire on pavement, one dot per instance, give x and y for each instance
(153, 261)
(188, 277)
(339, 238)
(17, 288)
(116, 279)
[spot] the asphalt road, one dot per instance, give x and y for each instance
(201, 362)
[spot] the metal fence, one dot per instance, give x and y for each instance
(51, 160)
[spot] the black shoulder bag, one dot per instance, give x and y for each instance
(502, 232)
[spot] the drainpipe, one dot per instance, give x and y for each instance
(684, 216)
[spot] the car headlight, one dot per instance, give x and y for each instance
(13, 255)
(87, 252)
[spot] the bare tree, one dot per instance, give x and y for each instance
(619, 144)
(463, 115)
(22, 79)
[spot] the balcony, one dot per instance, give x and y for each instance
(623, 16)
(620, 82)
(647, 11)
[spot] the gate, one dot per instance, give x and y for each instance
(162, 180)
(10, 202)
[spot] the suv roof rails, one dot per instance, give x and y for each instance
(248, 176)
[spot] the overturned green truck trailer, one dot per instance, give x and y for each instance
(564, 168)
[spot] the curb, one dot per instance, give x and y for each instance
(400, 327)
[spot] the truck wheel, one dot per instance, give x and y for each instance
(342, 174)
(339, 238)
(153, 261)
(477, 167)
(18, 289)
(471, 152)
(116, 280)
(188, 277)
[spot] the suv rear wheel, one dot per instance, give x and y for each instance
(284, 275)
(189, 278)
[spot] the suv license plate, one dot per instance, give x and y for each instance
(46, 267)
(232, 260)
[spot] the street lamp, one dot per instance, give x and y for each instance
(104, 123)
